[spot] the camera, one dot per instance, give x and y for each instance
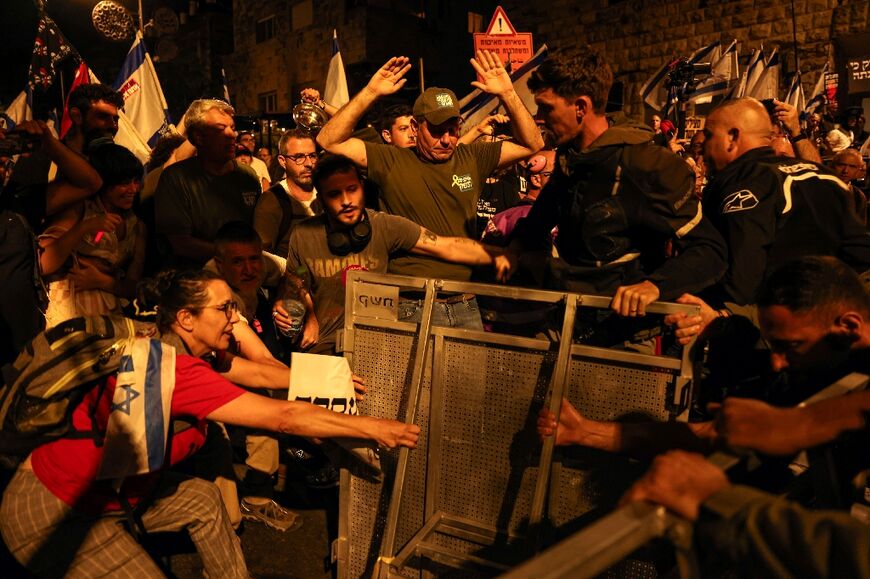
(685, 75)
(16, 143)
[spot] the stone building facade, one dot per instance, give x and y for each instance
(282, 46)
(638, 36)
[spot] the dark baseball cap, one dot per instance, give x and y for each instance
(437, 105)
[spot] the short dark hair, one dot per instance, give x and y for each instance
(85, 95)
(329, 165)
(115, 164)
(237, 232)
(300, 134)
(574, 73)
(815, 284)
(388, 117)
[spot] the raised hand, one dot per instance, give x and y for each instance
(390, 78)
(494, 78)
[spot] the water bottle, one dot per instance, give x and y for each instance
(296, 310)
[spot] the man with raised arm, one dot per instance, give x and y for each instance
(437, 182)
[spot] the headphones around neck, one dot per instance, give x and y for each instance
(352, 240)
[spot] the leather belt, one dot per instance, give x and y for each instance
(454, 299)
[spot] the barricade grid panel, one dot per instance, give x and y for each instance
(383, 358)
(603, 390)
(489, 450)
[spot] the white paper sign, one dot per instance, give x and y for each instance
(322, 380)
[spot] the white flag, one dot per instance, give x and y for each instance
(767, 84)
(336, 82)
(144, 103)
(653, 92)
(751, 74)
(477, 105)
(127, 135)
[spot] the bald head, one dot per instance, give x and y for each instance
(849, 165)
(734, 128)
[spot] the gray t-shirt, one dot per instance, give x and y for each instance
(191, 201)
(309, 257)
(442, 197)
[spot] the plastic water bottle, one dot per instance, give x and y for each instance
(296, 310)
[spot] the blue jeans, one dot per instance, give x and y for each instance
(462, 314)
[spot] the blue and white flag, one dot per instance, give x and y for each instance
(654, 92)
(767, 84)
(477, 105)
(136, 435)
(818, 97)
(127, 135)
(18, 111)
(723, 76)
(335, 92)
(750, 75)
(795, 96)
(144, 103)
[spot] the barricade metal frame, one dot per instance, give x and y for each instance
(604, 543)
(425, 380)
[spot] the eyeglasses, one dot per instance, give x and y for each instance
(300, 158)
(228, 309)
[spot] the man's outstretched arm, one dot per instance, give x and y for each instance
(335, 136)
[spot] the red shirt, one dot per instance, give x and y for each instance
(68, 467)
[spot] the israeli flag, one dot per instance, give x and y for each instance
(477, 105)
(795, 96)
(144, 103)
(653, 92)
(138, 427)
(767, 84)
(335, 92)
(18, 111)
(127, 135)
(724, 75)
(750, 75)
(818, 97)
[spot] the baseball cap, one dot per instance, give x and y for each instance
(437, 105)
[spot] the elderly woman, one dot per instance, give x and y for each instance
(58, 519)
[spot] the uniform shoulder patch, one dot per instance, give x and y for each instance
(742, 200)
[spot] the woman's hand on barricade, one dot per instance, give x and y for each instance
(632, 300)
(359, 387)
(680, 481)
(392, 433)
(687, 327)
(569, 428)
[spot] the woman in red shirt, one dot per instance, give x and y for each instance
(57, 519)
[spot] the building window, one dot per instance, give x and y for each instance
(265, 29)
(303, 14)
(268, 102)
(475, 22)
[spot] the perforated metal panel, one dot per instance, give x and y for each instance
(478, 457)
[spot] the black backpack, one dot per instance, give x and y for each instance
(52, 375)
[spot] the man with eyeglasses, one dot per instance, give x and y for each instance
(247, 140)
(850, 167)
(292, 199)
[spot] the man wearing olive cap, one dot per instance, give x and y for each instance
(437, 182)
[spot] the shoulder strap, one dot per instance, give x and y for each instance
(286, 211)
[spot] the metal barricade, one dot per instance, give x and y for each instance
(473, 496)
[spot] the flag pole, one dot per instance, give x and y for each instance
(142, 25)
(794, 36)
(422, 82)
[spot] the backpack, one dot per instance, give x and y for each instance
(52, 375)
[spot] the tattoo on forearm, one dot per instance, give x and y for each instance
(428, 237)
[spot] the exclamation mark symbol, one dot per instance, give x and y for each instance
(499, 23)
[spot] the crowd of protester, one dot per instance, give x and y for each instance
(762, 216)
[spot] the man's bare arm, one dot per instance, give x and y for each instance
(455, 249)
(335, 136)
(496, 80)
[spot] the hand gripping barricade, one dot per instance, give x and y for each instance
(481, 494)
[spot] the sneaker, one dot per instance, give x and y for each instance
(271, 514)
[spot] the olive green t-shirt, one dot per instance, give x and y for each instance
(324, 273)
(442, 197)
